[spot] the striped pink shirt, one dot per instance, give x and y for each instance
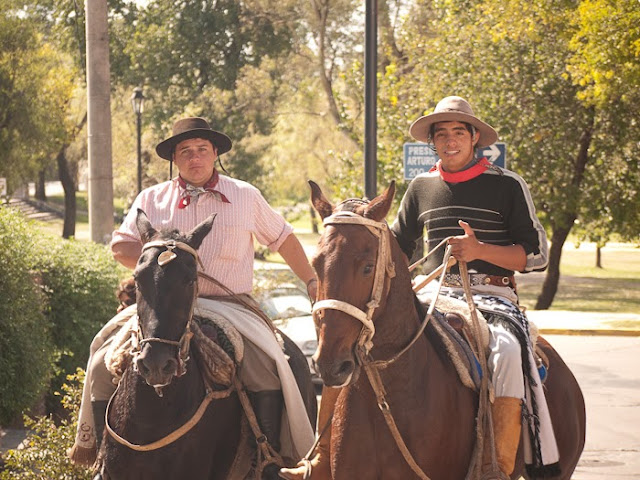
(227, 252)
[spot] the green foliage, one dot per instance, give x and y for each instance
(78, 281)
(25, 336)
(56, 294)
(36, 87)
(45, 450)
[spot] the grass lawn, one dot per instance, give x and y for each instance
(583, 287)
(613, 288)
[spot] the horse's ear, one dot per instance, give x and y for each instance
(195, 237)
(145, 228)
(319, 201)
(378, 208)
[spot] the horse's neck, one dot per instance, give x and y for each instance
(398, 321)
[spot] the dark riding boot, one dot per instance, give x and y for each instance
(267, 406)
(99, 409)
(507, 423)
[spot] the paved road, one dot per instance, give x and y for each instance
(606, 368)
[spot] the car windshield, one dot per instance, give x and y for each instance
(287, 305)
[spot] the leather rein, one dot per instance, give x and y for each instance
(182, 346)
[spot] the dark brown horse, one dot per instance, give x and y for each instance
(433, 411)
(163, 389)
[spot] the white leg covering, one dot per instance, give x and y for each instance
(505, 363)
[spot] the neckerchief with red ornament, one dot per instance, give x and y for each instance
(189, 191)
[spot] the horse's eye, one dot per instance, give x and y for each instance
(368, 269)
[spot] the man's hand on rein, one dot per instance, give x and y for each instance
(465, 247)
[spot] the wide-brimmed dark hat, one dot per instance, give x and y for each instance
(453, 109)
(192, 127)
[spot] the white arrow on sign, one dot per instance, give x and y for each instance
(492, 152)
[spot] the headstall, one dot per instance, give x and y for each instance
(137, 340)
(384, 266)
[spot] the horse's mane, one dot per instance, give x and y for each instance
(431, 333)
(170, 234)
(354, 205)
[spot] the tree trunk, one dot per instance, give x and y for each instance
(561, 228)
(69, 186)
(598, 257)
(41, 194)
(552, 278)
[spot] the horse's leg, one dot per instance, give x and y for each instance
(567, 410)
(353, 439)
(320, 461)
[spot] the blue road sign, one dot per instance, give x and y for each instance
(421, 157)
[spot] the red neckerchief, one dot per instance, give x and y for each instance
(189, 191)
(464, 175)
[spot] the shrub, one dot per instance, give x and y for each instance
(25, 340)
(44, 453)
(79, 280)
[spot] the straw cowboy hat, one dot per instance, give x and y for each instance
(192, 127)
(452, 109)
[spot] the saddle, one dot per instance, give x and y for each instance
(452, 322)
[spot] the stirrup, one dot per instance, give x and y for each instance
(308, 468)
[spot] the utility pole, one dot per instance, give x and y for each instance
(370, 98)
(99, 122)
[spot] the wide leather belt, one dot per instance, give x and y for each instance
(454, 280)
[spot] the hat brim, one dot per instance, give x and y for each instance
(165, 148)
(421, 127)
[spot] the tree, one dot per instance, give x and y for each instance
(34, 84)
(514, 62)
(608, 74)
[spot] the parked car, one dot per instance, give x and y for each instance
(290, 309)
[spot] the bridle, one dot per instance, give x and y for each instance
(384, 267)
(182, 345)
(183, 356)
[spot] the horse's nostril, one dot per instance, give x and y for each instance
(142, 368)
(346, 368)
(170, 367)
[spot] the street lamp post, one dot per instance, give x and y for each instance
(137, 100)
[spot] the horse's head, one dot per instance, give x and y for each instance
(353, 264)
(167, 287)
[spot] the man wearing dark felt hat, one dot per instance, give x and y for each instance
(227, 253)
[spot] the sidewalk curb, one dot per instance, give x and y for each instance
(586, 332)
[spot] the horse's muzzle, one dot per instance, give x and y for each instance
(337, 373)
(157, 367)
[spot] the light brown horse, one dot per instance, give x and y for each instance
(433, 411)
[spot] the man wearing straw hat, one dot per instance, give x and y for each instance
(227, 254)
(489, 218)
